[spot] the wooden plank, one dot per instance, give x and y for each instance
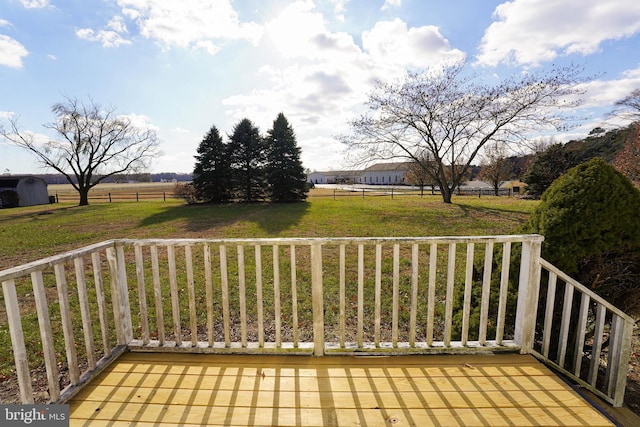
(164, 389)
(294, 296)
(451, 272)
(175, 302)
(102, 305)
(85, 314)
(468, 283)
(67, 325)
(396, 295)
(486, 290)
(46, 336)
(598, 336)
(191, 294)
(504, 291)
(208, 283)
(17, 340)
(377, 291)
(224, 287)
(142, 295)
(342, 296)
(581, 330)
(317, 300)
(360, 332)
(259, 297)
(565, 323)
(431, 297)
(276, 295)
(413, 316)
(242, 296)
(548, 313)
(157, 294)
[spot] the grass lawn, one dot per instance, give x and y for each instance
(35, 232)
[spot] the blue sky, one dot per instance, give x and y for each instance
(183, 66)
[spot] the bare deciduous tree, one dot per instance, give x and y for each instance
(628, 107)
(93, 144)
(451, 116)
(496, 168)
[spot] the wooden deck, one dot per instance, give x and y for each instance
(196, 389)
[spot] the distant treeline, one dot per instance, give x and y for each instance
(52, 178)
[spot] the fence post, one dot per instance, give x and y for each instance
(109, 197)
(528, 292)
(137, 199)
(318, 299)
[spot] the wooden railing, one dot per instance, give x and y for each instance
(309, 296)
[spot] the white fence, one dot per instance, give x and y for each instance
(308, 296)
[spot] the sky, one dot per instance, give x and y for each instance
(181, 67)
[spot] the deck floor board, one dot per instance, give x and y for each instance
(248, 390)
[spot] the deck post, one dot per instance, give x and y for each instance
(528, 292)
(318, 302)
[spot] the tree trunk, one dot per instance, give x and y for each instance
(446, 193)
(84, 197)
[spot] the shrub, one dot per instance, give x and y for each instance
(187, 192)
(590, 221)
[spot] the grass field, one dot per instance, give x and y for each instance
(32, 233)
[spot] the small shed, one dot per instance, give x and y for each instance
(22, 190)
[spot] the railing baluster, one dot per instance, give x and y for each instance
(360, 333)
(468, 284)
(44, 321)
(581, 329)
(191, 293)
(396, 295)
(102, 305)
(486, 290)
(142, 295)
(413, 316)
(276, 295)
(431, 298)
(208, 279)
(451, 271)
(85, 314)
(342, 296)
(548, 316)
(259, 297)
(157, 294)
(175, 302)
(17, 341)
(224, 289)
(377, 290)
(67, 325)
(294, 296)
(615, 333)
(598, 332)
(565, 323)
(504, 291)
(317, 300)
(242, 295)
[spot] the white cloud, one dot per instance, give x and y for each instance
(106, 37)
(391, 42)
(52, 57)
(4, 23)
(117, 24)
(391, 3)
(35, 4)
(530, 32)
(194, 23)
(11, 52)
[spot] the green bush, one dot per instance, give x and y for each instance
(590, 218)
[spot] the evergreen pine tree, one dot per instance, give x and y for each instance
(247, 156)
(211, 172)
(285, 174)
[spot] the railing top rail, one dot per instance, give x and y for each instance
(566, 278)
(339, 240)
(28, 268)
